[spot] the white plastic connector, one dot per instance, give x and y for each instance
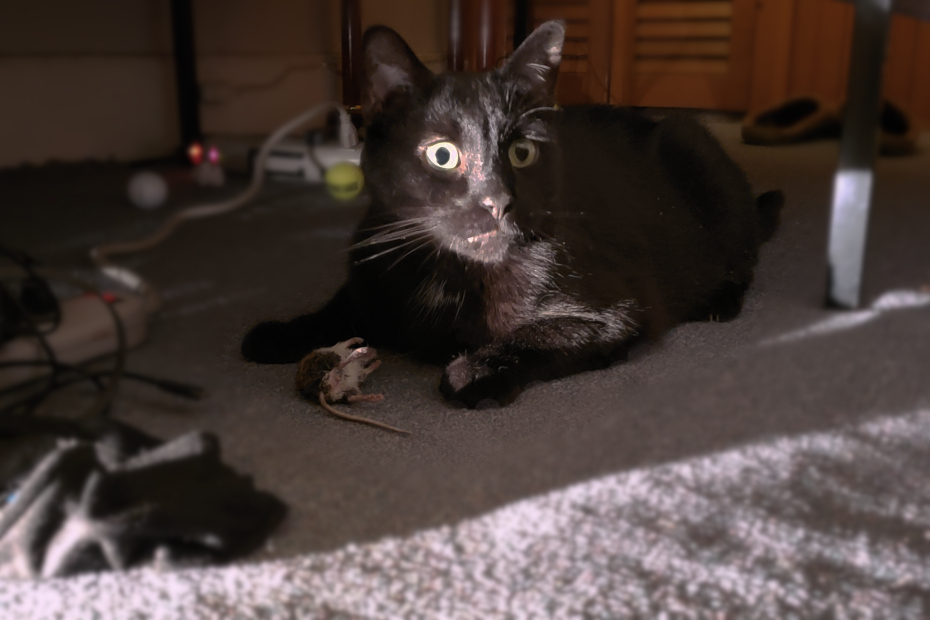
(127, 278)
(348, 137)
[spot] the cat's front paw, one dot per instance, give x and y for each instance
(470, 381)
(271, 343)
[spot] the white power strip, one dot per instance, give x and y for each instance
(86, 331)
(295, 158)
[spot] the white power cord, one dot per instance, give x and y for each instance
(101, 254)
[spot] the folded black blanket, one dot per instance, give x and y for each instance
(81, 497)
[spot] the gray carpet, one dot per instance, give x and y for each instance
(769, 467)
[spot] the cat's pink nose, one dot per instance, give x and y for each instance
(496, 205)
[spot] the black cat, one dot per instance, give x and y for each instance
(522, 241)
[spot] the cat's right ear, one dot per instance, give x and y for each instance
(534, 66)
(390, 65)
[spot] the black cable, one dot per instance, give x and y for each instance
(177, 388)
(32, 402)
(188, 390)
(37, 288)
(58, 369)
(53, 364)
(101, 405)
(33, 329)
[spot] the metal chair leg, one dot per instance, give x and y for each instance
(852, 186)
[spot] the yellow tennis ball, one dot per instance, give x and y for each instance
(344, 180)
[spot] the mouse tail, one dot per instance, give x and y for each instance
(354, 418)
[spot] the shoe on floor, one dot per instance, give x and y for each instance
(793, 120)
(898, 130)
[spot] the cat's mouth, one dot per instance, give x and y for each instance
(474, 235)
(482, 237)
(486, 247)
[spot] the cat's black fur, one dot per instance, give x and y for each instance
(622, 227)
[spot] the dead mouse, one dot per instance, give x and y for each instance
(334, 374)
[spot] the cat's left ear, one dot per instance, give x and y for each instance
(390, 65)
(534, 66)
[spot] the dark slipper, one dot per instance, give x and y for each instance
(898, 130)
(793, 120)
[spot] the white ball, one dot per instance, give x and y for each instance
(147, 190)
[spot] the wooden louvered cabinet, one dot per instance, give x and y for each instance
(735, 55)
(682, 53)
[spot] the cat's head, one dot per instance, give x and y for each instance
(454, 155)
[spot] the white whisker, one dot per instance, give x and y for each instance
(388, 236)
(393, 248)
(541, 109)
(413, 221)
(418, 247)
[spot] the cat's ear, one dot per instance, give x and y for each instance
(390, 64)
(534, 66)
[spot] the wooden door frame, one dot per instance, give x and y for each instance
(771, 66)
(621, 60)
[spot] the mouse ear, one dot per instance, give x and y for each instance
(534, 67)
(390, 65)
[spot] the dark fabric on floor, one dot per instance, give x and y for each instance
(84, 497)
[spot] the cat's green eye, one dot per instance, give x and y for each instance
(443, 155)
(522, 153)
